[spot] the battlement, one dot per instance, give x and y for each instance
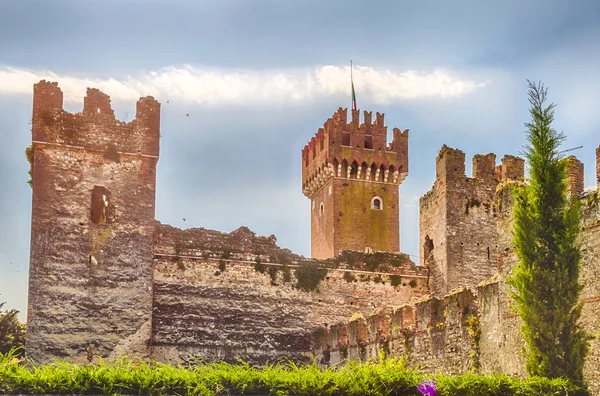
(418, 330)
(450, 164)
(354, 150)
(96, 127)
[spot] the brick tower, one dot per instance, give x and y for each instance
(351, 176)
(93, 181)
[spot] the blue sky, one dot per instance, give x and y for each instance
(258, 79)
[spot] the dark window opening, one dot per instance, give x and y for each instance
(377, 203)
(354, 169)
(488, 252)
(427, 247)
(368, 141)
(102, 210)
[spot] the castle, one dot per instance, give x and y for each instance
(106, 276)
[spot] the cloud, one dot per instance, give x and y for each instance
(590, 188)
(214, 87)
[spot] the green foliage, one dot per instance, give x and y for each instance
(395, 280)
(546, 278)
(29, 156)
(259, 266)
(349, 276)
(226, 254)
(222, 265)
(287, 273)
(12, 332)
(474, 330)
(412, 283)
(592, 199)
(378, 279)
(309, 276)
(126, 376)
(272, 271)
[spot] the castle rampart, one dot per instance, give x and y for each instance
(476, 328)
(224, 296)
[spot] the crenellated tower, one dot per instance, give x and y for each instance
(93, 214)
(458, 219)
(351, 175)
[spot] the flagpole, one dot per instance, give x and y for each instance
(352, 87)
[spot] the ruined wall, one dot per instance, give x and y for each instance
(345, 166)
(224, 296)
(434, 334)
(93, 182)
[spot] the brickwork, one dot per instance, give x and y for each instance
(93, 181)
(575, 184)
(351, 177)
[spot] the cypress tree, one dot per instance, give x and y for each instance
(545, 281)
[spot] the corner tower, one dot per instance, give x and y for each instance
(351, 176)
(93, 182)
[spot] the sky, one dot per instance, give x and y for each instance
(258, 78)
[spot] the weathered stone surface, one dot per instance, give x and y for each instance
(90, 276)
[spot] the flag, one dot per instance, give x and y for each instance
(353, 92)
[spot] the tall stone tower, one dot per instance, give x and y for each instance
(93, 180)
(351, 176)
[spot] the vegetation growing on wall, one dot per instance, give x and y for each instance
(29, 156)
(546, 278)
(309, 276)
(349, 276)
(474, 331)
(259, 266)
(287, 273)
(395, 280)
(272, 271)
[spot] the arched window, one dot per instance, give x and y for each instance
(321, 209)
(376, 203)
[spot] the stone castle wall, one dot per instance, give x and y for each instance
(224, 296)
(485, 334)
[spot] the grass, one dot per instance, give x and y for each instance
(136, 376)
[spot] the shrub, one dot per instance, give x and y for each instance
(395, 280)
(309, 276)
(349, 276)
(387, 377)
